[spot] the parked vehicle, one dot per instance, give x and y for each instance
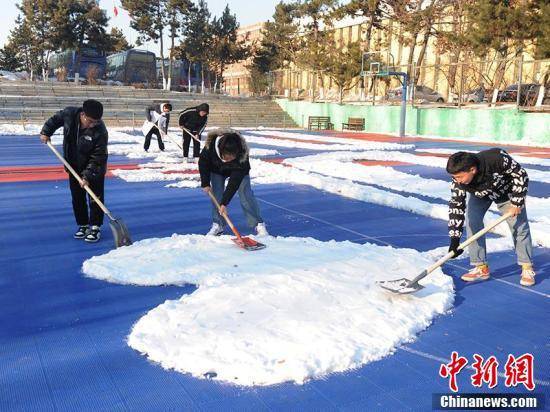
(477, 95)
(422, 93)
(180, 74)
(528, 94)
(88, 59)
(132, 66)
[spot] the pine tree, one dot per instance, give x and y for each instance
(225, 49)
(373, 10)
(116, 41)
(19, 53)
(542, 32)
(197, 36)
(279, 45)
(315, 42)
(343, 66)
(81, 24)
(9, 59)
(499, 28)
(38, 16)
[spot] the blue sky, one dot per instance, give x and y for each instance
(247, 13)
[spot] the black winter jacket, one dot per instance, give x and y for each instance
(499, 178)
(158, 109)
(210, 162)
(192, 121)
(84, 149)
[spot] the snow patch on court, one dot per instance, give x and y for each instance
(440, 162)
(273, 173)
(340, 165)
(297, 310)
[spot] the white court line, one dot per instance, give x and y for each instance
(325, 222)
(363, 236)
(443, 360)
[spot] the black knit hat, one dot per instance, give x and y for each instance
(93, 109)
(203, 107)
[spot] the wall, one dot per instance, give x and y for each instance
(483, 124)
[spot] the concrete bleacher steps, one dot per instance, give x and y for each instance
(35, 102)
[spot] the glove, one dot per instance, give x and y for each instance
(453, 247)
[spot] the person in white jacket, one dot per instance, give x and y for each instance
(159, 115)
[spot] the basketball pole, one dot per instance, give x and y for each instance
(403, 114)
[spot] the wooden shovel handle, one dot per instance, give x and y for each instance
(229, 222)
(189, 133)
(462, 246)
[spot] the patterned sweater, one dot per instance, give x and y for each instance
(499, 178)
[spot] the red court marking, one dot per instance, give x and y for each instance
(276, 160)
(539, 154)
(381, 163)
(10, 174)
(428, 154)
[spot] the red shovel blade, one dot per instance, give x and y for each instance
(248, 243)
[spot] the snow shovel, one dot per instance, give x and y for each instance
(243, 242)
(120, 231)
(404, 286)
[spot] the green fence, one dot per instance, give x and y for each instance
(498, 125)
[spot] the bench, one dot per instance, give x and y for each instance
(319, 123)
(354, 123)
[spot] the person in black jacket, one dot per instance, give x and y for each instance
(85, 149)
(225, 157)
(486, 177)
(194, 120)
(159, 115)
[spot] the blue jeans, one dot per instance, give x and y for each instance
(519, 226)
(249, 204)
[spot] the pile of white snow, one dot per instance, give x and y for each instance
(297, 310)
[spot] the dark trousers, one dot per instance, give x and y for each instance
(80, 202)
(154, 131)
(186, 143)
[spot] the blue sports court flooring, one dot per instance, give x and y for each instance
(63, 336)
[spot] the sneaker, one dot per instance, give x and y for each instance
(215, 230)
(261, 230)
(527, 277)
(93, 235)
(480, 272)
(81, 232)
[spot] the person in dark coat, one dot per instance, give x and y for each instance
(479, 180)
(159, 115)
(225, 158)
(85, 149)
(194, 120)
